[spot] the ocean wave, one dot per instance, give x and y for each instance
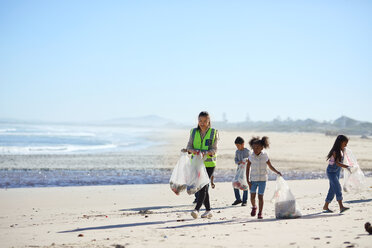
(7, 130)
(50, 139)
(49, 134)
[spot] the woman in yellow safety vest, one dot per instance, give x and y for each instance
(203, 139)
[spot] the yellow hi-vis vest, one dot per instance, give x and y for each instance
(204, 144)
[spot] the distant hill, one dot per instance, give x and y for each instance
(343, 124)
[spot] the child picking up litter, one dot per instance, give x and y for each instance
(257, 165)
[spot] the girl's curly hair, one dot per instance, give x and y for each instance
(264, 142)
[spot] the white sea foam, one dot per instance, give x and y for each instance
(54, 149)
(50, 134)
(57, 139)
(7, 130)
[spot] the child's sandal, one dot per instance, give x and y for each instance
(344, 209)
(253, 212)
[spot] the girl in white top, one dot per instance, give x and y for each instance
(257, 172)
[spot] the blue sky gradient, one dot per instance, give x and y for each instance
(99, 60)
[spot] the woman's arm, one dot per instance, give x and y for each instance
(272, 167)
(212, 182)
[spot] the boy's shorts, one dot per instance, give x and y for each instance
(261, 185)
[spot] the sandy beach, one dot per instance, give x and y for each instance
(153, 216)
(98, 100)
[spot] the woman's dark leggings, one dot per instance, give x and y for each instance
(203, 196)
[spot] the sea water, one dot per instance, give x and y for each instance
(69, 155)
(70, 139)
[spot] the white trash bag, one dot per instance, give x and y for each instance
(177, 180)
(354, 181)
(240, 180)
(285, 202)
(196, 175)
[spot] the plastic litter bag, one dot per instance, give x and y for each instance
(196, 175)
(240, 180)
(177, 180)
(354, 181)
(285, 202)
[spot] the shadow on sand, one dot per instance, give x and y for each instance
(358, 201)
(247, 221)
(176, 209)
(233, 221)
(156, 208)
(119, 226)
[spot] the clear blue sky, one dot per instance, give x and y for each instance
(98, 60)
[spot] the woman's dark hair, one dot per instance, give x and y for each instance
(264, 142)
(204, 114)
(337, 147)
(239, 140)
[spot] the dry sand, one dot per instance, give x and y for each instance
(107, 216)
(297, 151)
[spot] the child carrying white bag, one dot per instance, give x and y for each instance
(354, 179)
(240, 180)
(285, 202)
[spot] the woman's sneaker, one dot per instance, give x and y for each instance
(195, 214)
(207, 214)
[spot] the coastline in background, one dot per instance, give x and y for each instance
(43, 155)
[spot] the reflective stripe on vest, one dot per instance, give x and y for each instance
(204, 144)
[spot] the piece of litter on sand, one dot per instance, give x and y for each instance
(146, 211)
(81, 235)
